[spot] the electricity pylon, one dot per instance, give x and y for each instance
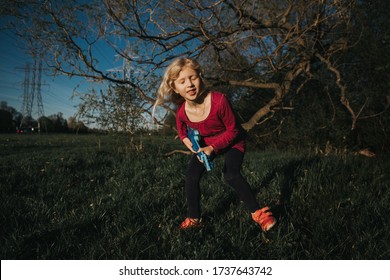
(32, 88)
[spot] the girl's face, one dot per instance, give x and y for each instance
(189, 85)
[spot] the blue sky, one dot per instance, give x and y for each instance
(56, 91)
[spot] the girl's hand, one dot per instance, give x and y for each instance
(207, 150)
(188, 144)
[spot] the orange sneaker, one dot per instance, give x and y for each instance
(190, 223)
(264, 218)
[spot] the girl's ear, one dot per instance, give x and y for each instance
(172, 86)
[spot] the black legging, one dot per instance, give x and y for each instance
(232, 175)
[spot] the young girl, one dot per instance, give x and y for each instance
(210, 113)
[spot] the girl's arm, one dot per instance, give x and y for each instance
(182, 131)
(186, 141)
(231, 132)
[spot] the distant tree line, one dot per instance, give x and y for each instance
(12, 121)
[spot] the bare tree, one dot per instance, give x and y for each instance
(118, 108)
(273, 45)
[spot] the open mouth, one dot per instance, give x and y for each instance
(191, 92)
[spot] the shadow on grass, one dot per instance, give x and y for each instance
(289, 175)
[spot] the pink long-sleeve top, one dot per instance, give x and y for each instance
(220, 128)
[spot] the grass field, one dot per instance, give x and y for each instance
(92, 197)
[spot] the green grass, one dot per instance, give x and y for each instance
(93, 197)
